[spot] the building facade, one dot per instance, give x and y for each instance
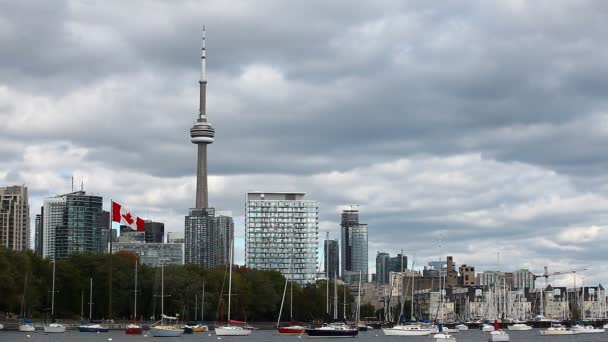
(282, 234)
(382, 267)
(523, 279)
(152, 253)
(14, 218)
(175, 237)
(154, 231)
(71, 223)
(331, 250)
(38, 233)
(354, 247)
(208, 238)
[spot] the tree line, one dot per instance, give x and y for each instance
(256, 294)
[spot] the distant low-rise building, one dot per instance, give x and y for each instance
(152, 254)
(175, 237)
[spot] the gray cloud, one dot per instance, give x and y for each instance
(487, 121)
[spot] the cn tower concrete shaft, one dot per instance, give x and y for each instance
(202, 196)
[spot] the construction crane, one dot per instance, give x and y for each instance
(546, 274)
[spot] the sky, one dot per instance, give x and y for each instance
(476, 129)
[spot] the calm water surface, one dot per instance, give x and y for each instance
(271, 336)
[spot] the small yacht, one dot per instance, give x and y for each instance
(519, 327)
(498, 336)
(557, 330)
(408, 330)
(587, 329)
(462, 327)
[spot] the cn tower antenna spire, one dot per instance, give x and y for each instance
(202, 134)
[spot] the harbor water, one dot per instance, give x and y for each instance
(272, 336)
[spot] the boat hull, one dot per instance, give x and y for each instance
(444, 337)
(557, 332)
(134, 330)
(519, 327)
(54, 328)
(201, 328)
(92, 329)
(291, 330)
(331, 333)
(496, 336)
(166, 332)
(26, 328)
(232, 331)
(406, 332)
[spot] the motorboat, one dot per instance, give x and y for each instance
(451, 330)
(498, 336)
(94, 328)
(587, 329)
(487, 328)
(333, 330)
(557, 330)
(462, 327)
(54, 328)
(232, 330)
(133, 329)
(166, 331)
(1, 326)
(444, 337)
(519, 327)
(188, 329)
(408, 330)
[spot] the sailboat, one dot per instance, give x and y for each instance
(26, 324)
(442, 335)
(229, 329)
(335, 329)
(162, 330)
(292, 329)
(134, 328)
(91, 327)
(201, 327)
(53, 327)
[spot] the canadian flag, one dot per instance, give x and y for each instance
(121, 215)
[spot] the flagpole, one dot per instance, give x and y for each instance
(110, 251)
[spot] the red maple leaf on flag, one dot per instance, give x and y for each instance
(128, 218)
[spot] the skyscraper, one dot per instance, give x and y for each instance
(354, 246)
(382, 267)
(332, 259)
(154, 231)
(398, 263)
(14, 218)
(206, 236)
(38, 233)
(282, 234)
(71, 223)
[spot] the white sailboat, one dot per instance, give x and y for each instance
(228, 329)
(133, 328)
(53, 327)
(160, 329)
(442, 335)
(26, 324)
(94, 328)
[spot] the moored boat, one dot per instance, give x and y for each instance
(291, 330)
(333, 330)
(487, 328)
(557, 330)
(519, 327)
(166, 331)
(462, 327)
(94, 328)
(444, 336)
(133, 329)
(498, 336)
(54, 328)
(408, 330)
(587, 329)
(26, 327)
(200, 328)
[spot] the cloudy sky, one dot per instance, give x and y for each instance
(478, 125)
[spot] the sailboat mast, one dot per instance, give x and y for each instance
(162, 291)
(291, 301)
(53, 292)
(203, 304)
(230, 280)
(359, 300)
(91, 299)
(135, 291)
(335, 297)
(282, 302)
(412, 301)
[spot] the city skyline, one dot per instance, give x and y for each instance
(446, 127)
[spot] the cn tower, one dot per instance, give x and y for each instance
(202, 134)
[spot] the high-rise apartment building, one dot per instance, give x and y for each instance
(398, 263)
(523, 279)
(154, 231)
(71, 223)
(331, 250)
(14, 218)
(354, 247)
(282, 234)
(383, 267)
